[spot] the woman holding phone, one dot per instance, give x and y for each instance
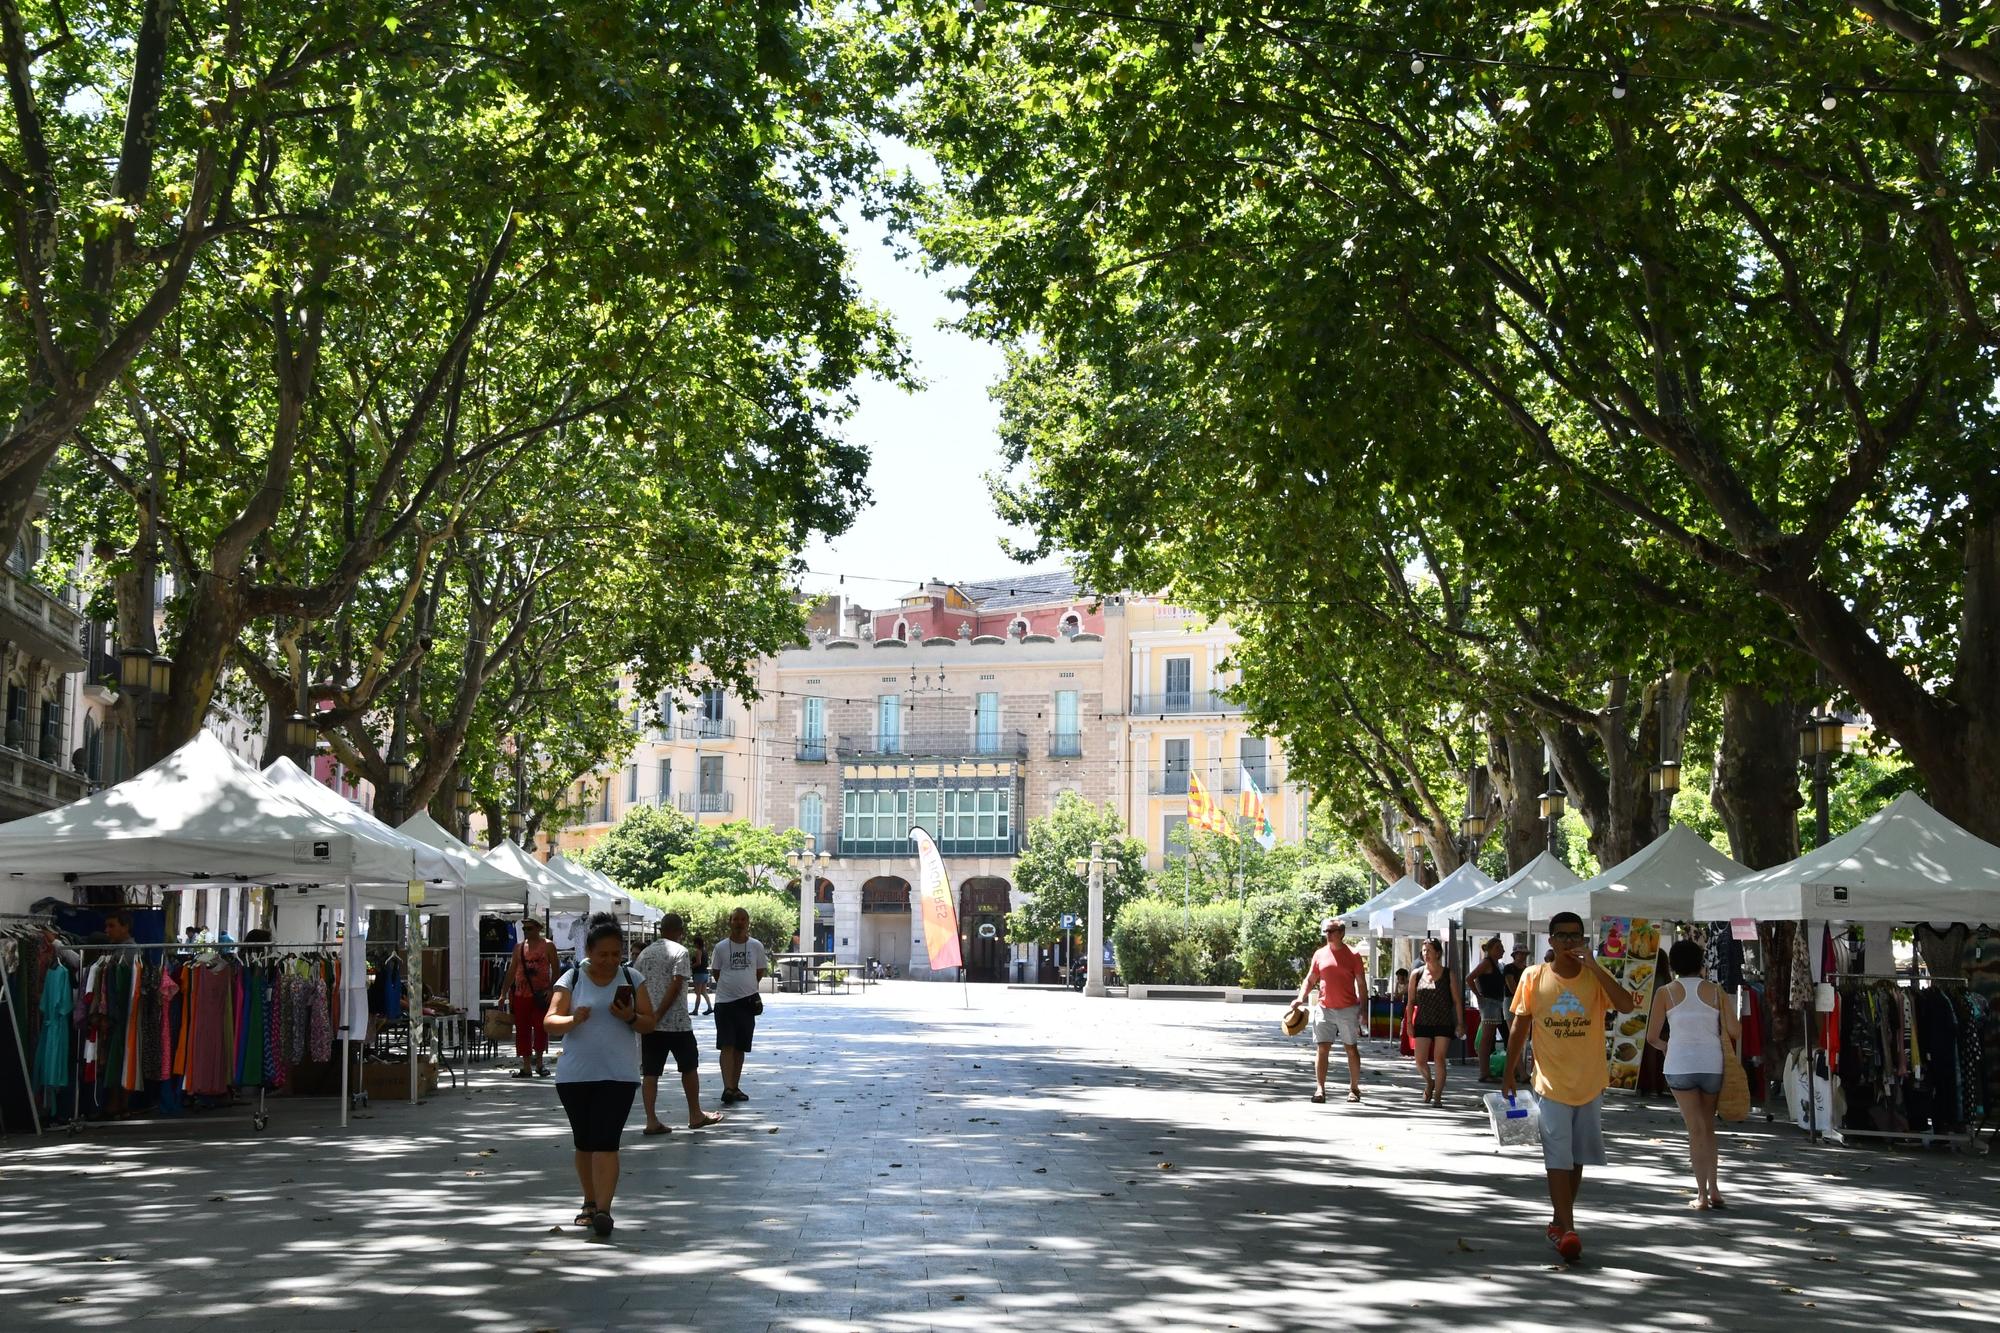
(599, 1009)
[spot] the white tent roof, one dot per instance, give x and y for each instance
(1657, 882)
(1404, 889)
(1506, 906)
(496, 890)
(199, 815)
(559, 894)
(601, 899)
(1905, 862)
(1413, 917)
(401, 858)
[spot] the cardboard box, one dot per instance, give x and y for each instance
(390, 1082)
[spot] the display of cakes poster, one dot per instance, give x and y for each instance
(1629, 949)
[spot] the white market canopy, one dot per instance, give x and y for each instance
(1507, 905)
(410, 859)
(1414, 916)
(596, 897)
(1404, 889)
(556, 892)
(1658, 882)
(493, 889)
(201, 815)
(1905, 862)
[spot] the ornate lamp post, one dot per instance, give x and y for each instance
(1553, 802)
(461, 801)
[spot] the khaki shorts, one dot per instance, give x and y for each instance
(1338, 1027)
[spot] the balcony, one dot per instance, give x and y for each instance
(1181, 703)
(810, 750)
(707, 802)
(707, 729)
(949, 744)
(29, 785)
(41, 623)
(1065, 744)
(1176, 784)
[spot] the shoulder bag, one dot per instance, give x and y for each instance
(1733, 1104)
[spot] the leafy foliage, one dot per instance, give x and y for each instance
(1047, 869)
(642, 848)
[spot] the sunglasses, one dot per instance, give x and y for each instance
(1568, 937)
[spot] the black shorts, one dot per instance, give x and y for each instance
(597, 1112)
(655, 1047)
(735, 1024)
(1426, 1031)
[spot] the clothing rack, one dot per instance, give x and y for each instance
(1854, 981)
(239, 950)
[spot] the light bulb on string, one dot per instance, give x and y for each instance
(1417, 62)
(1827, 100)
(1618, 85)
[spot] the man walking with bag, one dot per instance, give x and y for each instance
(740, 967)
(1562, 1004)
(1339, 1007)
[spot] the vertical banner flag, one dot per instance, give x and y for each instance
(940, 912)
(1204, 813)
(1250, 805)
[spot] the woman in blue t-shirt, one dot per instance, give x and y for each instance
(600, 1007)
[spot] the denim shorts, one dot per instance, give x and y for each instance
(1708, 1083)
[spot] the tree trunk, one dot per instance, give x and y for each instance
(215, 615)
(1514, 759)
(1756, 787)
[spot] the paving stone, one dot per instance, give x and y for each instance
(1031, 1188)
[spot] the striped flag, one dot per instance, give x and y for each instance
(1204, 813)
(1250, 806)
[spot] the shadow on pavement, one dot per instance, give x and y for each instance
(1036, 1161)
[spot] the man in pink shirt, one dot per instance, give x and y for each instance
(1338, 1010)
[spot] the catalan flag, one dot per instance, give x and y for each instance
(1250, 806)
(1204, 813)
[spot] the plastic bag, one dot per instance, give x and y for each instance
(1516, 1120)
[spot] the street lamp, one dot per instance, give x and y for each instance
(135, 668)
(516, 825)
(299, 734)
(461, 801)
(1665, 778)
(160, 673)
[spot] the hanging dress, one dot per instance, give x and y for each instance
(52, 1051)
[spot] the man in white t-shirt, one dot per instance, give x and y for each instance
(740, 965)
(664, 966)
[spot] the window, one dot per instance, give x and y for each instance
(1180, 684)
(1067, 736)
(977, 821)
(632, 785)
(812, 816)
(1174, 777)
(812, 720)
(875, 820)
(889, 723)
(711, 775)
(604, 802)
(666, 780)
(666, 727)
(1252, 752)
(1173, 837)
(986, 722)
(925, 813)
(713, 701)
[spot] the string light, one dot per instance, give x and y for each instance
(1618, 86)
(1417, 62)
(1827, 101)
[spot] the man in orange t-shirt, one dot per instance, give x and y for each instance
(1562, 1005)
(1338, 1010)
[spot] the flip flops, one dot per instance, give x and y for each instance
(652, 1130)
(1318, 1097)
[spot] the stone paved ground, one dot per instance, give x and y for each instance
(1034, 1161)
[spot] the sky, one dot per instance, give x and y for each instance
(931, 516)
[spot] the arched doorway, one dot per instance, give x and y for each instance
(983, 902)
(885, 922)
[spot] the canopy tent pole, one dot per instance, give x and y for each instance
(346, 1009)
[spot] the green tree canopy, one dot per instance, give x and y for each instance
(642, 848)
(1047, 869)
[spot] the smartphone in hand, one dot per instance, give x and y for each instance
(622, 998)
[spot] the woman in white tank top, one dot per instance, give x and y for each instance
(1696, 1014)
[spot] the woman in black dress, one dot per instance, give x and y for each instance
(1440, 1017)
